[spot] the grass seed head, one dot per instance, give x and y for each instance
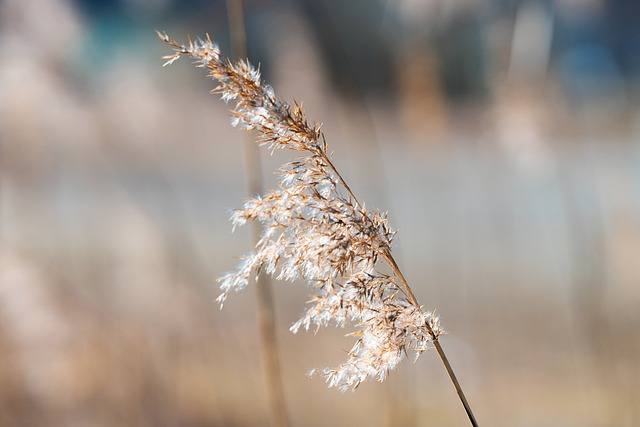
(315, 229)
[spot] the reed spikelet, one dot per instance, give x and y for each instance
(316, 230)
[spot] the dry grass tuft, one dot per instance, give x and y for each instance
(315, 229)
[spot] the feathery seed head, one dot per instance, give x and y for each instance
(316, 230)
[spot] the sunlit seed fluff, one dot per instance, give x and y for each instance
(315, 229)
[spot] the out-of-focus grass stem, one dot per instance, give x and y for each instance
(266, 313)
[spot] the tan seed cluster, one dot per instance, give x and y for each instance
(314, 229)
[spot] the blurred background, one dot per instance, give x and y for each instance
(503, 136)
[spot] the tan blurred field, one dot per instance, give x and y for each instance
(518, 220)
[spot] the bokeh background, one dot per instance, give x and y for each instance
(503, 136)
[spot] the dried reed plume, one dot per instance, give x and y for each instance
(315, 229)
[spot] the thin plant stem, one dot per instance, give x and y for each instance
(434, 338)
(266, 312)
(406, 289)
(455, 382)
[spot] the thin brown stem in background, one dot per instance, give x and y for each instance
(266, 313)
